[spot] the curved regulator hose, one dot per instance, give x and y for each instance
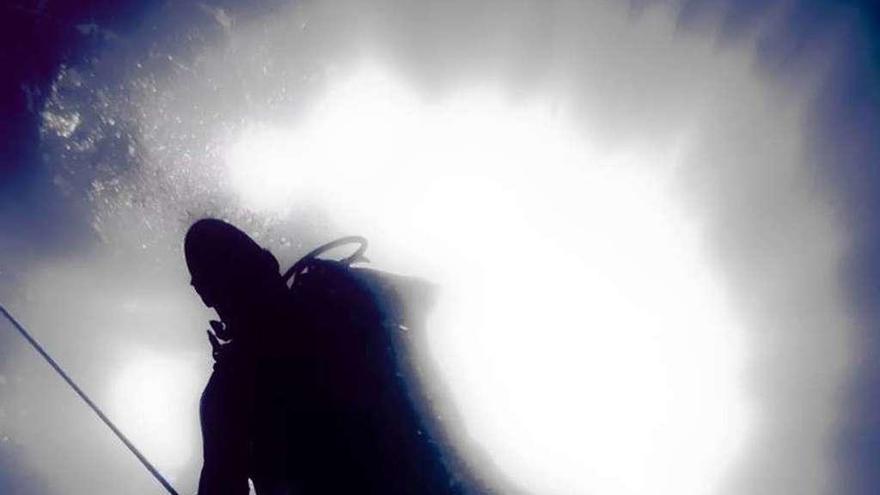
(303, 263)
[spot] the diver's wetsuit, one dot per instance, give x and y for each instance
(309, 400)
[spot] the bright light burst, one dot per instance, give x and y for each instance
(148, 396)
(583, 329)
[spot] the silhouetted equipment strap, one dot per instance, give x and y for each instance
(88, 401)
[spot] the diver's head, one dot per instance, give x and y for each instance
(229, 270)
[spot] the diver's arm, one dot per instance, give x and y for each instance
(224, 413)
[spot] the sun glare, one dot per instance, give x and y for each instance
(151, 401)
(582, 327)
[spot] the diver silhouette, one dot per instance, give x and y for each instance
(309, 394)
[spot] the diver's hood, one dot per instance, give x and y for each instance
(214, 248)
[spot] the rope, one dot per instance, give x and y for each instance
(89, 402)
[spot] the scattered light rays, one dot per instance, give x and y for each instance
(584, 334)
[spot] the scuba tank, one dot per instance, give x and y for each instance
(371, 323)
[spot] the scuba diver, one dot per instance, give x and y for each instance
(309, 392)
